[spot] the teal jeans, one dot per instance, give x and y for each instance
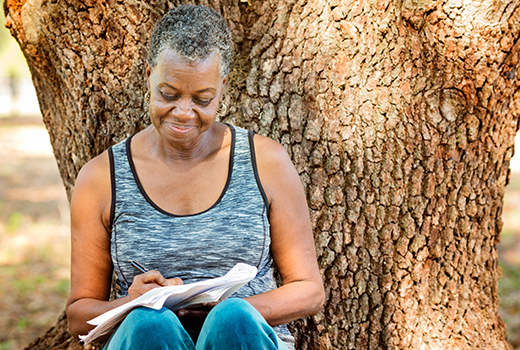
(232, 324)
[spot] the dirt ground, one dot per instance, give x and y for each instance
(34, 239)
(34, 235)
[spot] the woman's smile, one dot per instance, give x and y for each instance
(179, 128)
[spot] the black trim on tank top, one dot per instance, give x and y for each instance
(155, 206)
(251, 134)
(113, 185)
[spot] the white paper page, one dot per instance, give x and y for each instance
(175, 297)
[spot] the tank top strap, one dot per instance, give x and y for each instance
(245, 169)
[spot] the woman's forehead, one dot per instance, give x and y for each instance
(173, 70)
(169, 59)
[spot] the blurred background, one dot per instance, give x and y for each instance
(34, 217)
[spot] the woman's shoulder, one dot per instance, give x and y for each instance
(270, 152)
(275, 168)
(93, 183)
(95, 170)
(92, 193)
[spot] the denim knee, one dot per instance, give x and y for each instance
(147, 328)
(235, 312)
(146, 321)
(236, 324)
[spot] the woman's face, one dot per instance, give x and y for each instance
(184, 96)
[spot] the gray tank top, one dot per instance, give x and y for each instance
(197, 246)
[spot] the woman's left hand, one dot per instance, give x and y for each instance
(199, 310)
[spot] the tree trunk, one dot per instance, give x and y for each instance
(399, 116)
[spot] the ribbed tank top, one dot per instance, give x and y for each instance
(197, 246)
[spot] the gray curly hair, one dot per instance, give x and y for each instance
(193, 32)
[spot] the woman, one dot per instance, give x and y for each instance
(190, 197)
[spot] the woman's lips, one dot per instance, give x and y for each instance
(181, 129)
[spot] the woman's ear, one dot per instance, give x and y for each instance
(148, 74)
(224, 84)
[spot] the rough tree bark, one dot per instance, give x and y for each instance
(400, 117)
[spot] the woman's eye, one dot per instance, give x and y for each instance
(202, 102)
(169, 97)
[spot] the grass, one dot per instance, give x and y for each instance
(509, 260)
(34, 282)
(14, 223)
(509, 292)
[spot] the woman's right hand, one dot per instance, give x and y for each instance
(147, 281)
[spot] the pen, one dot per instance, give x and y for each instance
(138, 266)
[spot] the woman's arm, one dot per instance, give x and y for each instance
(91, 264)
(292, 243)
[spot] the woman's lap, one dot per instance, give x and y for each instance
(233, 323)
(146, 328)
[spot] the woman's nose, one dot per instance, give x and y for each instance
(182, 109)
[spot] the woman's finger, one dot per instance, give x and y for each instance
(174, 282)
(211, 304)
(138, 289)
(143, 288)
(149, 280)
(152, 276)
